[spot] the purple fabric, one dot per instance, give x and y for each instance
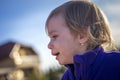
(94, 65)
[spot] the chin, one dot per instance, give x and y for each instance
(61, 63)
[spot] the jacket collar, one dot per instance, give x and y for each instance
(83, 62)
(88, 57)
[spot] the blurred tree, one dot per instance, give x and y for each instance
(53, 74)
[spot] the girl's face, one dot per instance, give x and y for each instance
(62, 43)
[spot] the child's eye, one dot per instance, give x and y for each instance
(55, 36)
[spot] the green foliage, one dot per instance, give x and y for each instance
(32, 76)
(53, 74)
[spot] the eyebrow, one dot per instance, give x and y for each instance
(49, 33)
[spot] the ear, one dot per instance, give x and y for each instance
(82, 38)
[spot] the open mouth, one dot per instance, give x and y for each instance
(56, 54)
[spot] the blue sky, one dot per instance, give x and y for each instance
(24, 21)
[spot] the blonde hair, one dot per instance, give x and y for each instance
(81, 16)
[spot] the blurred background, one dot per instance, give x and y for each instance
(23, 38)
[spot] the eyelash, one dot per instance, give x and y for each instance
(54, 36)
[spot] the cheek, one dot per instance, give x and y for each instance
(66, 57)
(66, 45)
(67, 51)
(67, 48)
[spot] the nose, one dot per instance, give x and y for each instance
(50, 45)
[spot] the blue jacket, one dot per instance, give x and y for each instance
(94, 65)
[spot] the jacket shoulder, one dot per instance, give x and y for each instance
(112, 59)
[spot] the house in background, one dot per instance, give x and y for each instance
(18, 61)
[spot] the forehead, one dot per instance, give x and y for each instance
(56, 23)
